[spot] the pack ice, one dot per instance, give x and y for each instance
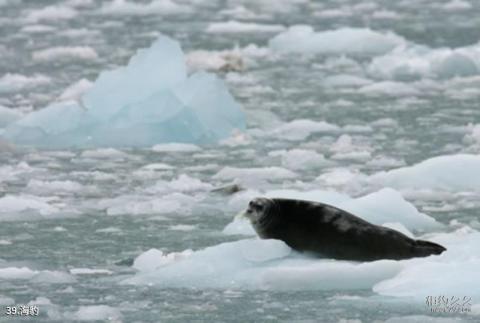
(272, 265)
(151, 100)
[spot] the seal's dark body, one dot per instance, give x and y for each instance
(330, 232)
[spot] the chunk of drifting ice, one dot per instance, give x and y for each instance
(155, 7)
(65, 53)
(233, 26)
(362, 41)
(97, 313)
(415, 61)
(459, 172)
(154, 258)
(454, 272)
(299, 159)
(149, 101)
(10, 204)
(300, 129)
(254, 174)
(263, 264)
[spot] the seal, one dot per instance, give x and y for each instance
(326, 231)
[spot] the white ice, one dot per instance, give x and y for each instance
(60, 53)
(150, 101)
(258, 264)
(233, 26)
(363, 41)
(154, 7)
(414, 61)
(460, 172)
(271, 265)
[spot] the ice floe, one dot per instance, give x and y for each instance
(23, 207)
(10, 83)
(258, 264)
(271, 265)
(360, 41)
(459, 172)
(65, 53)
(233, 26)
(150, 101)
(36, 276)
(414, 62)
(51, 13)
(300, 159)
(300, 129)
(97, 313)
(154, 7)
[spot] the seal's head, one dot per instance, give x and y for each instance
(259, 212)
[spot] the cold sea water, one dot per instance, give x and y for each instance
(373, 106)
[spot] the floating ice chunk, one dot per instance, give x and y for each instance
(385, 14)
(37, 29)
(65, 53)
(450, 173)
(330, 275)
(242, 27)
(52, 187)
(299, 159)
(98, 313)
(149, 101)
(300, 129)
(9, 273)
(413, 62)
(236, 59)
(135, 205)
(389, 88)
(182, 227)
(10, 83)
(8, 116)
(175, 147)
(340, 177)
(345, 80)
(457, 5)
(154, 258)
(44, 276)
(10, 204)
(423, 319)
(51, 13)
(183, 183)
(105, 153)
(52, 277)
(361, 41)
(90, 271)
(265, 173)
(155, 7)
(454, 272)
(262, 264)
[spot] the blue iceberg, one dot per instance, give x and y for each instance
(151, 100)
